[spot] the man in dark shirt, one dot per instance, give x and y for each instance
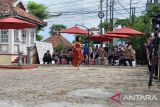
(47, 57)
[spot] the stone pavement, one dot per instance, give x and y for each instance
(64, 86)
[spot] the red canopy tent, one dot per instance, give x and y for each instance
(74, 30)
(14, 23)
(116, 36)
(126, 31)
(99, 38)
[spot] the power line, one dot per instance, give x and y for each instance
(87, 12)
(64, 3)
(72, 5)
(123, 6)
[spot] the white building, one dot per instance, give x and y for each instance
(9, 38)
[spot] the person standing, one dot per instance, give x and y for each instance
(77, 55)
(96, 54)
(85, 53)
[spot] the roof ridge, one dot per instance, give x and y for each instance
(56, 39)
(32, 16)
(64, 38)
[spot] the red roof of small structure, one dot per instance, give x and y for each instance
(58, 39)
(7, 9)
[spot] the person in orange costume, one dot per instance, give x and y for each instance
(77, 54)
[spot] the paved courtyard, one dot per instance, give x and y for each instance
(64, 86)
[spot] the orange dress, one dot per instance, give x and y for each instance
(77, 55)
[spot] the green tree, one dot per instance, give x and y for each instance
(124, 22)
(38, 10)
(41, 12)
(60, 47)
(106, 26)
(55, 28)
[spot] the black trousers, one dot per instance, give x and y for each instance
(130, 62)
(122, 61)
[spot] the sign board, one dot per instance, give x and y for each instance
(101, 15)
(43, 47)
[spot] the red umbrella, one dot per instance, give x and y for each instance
(99, 38)
(126, 31)
(116, 36)
(14, 23)
(74, 30)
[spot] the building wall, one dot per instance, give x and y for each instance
(10, 48)
(34, 59)
(5, 59)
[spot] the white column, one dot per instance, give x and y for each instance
(29, 38)
(20, 40)
(20, 35)
(35, 33)
(11, 41)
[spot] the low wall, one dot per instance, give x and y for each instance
(5, 59)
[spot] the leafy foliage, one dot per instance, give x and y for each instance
(41, 12)
(55, 28)
(39, 37)
(60, 47)
(154, 9)
(38, 10)
(124, 22)
(106, 26)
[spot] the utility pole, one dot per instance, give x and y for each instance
(110, 9)
(133, 15)
(107, 11)
(130, 9)
(111, 13)
(101, 17)
(155, 1)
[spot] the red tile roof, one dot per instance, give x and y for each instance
(9, 1)
(58, 39)
(7, 9)
(28, 15)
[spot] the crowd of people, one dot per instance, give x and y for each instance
(117, 55)
(58, 57)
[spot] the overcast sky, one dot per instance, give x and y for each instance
(78, 6)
